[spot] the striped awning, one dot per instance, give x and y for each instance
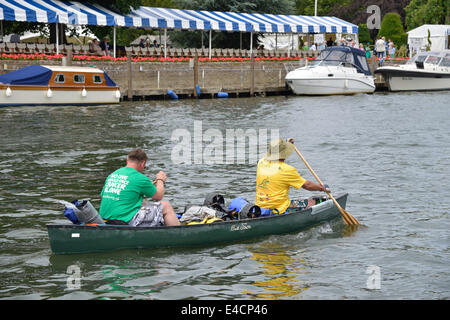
(29, 11)
(65, 12)
(246, 22)
(83, 13)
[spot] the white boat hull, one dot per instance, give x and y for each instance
(326, 86)
(16, 97)
(425, 72)
(417, 84)
(329, 80)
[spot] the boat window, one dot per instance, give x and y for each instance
(433, 60)
(97, 78)
(332, 58)
(421, 58)
(445, 62)
(78, 78)
(349, 58)
(363, 62)
(60, 78)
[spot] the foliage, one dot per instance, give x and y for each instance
(324, 7)
(420, 12)
(356, 11)
(121, 6)
(158, 3)
(363, 34)
(391, 27)
(402, 51)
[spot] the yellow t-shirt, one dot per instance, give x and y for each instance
(273, 179)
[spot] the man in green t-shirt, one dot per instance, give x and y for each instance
(124, 191)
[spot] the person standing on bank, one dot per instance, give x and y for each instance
(124, 191)
(274, 178)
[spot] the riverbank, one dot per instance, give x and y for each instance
(143, 80)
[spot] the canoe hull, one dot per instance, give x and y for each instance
(67, 239)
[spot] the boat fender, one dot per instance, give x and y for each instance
(83, 92)
(8, 92)
(118, 94)
(197, 89)
(49, 93)
(222, 94)
(172, 94)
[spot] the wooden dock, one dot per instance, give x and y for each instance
(152, 80)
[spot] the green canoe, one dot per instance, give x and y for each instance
(71, 238)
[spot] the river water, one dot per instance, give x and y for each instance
(389, 151)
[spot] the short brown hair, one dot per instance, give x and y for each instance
(137, 155)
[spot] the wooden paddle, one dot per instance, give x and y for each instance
(347, 217)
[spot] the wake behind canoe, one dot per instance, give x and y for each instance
(71, 238)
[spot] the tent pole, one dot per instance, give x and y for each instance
(165, 42)
(251, 43)
(57, 38)
(210, 36)
(114, 41)
(289, 47)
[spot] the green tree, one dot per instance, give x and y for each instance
(391, 27)
(364, 34)
(324, 7)
(420, 12)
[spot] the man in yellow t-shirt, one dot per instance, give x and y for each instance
(274, 178)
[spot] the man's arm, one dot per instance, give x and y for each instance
(160, 179)
(311, 186)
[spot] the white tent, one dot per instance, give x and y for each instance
(439, 37)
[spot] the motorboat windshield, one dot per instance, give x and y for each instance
(343, 56)
(434, 58)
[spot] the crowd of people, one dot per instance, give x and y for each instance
(100, 48)
(382, 48)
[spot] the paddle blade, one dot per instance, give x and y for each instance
(348, 218)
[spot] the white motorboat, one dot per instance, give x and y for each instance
(426, 71)
(57, 85)
(337, 70)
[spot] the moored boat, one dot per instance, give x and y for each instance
(426, 71)
(71, 238)
(57, 85)
(337, 70)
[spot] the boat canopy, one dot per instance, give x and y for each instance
(37, 75)
(30, 75)
(345, 55)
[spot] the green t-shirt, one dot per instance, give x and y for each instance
(123, 193)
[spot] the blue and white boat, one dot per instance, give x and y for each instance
(57, 85)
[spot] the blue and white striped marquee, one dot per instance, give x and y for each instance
(244, 22)
(83, 13)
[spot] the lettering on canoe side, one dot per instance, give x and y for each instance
(240, 226)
